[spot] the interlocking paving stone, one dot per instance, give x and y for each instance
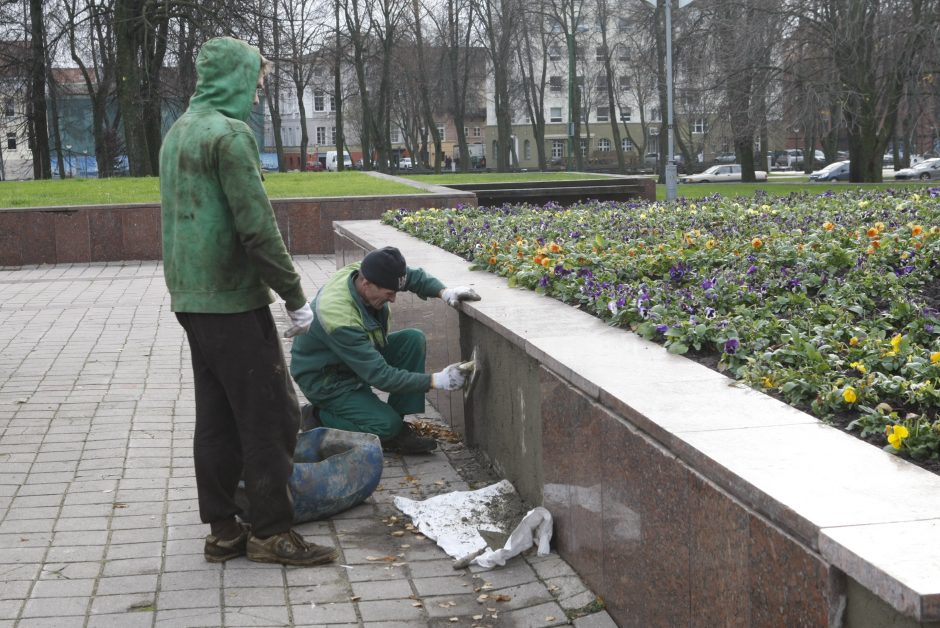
(382, 590)
(99, 524)
(595, 620)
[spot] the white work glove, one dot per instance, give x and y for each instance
(453, 296)
(451, 378)
(300, 321)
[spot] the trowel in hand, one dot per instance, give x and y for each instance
(471, 368)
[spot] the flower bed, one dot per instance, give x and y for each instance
(829, 302)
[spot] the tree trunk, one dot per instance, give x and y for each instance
(38, 115)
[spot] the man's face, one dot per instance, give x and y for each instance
(260, 87)
(375, 296)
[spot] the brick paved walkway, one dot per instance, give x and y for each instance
(98, 515)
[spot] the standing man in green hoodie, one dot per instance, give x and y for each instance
(222, 256)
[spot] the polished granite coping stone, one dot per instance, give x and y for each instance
(856, 505)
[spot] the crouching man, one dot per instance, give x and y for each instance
(348, 350)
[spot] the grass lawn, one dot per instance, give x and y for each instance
(493, 177)
(119, 190)
(778, 188)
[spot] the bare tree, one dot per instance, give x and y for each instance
(461, 67)
(499, 21)
(569, 18)
(875, 47)
(301, 32)
(374, 30)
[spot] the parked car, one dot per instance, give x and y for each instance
(836, 171)
(725, 158)
(927, 169)
(793, 158)
(315, 166)
(720, 173)
(405, 162)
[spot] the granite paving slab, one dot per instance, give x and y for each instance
(99, 522)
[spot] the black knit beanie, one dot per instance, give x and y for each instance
(385, 268)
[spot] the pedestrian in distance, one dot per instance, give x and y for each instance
(348, 350)
(222, 257)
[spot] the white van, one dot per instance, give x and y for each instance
(331, 160)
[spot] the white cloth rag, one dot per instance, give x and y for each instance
(537, 524)
(453, 519)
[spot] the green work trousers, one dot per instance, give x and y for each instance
(361, 410)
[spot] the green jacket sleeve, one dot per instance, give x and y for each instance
(257, 229)
(361, 356)
(423, 284)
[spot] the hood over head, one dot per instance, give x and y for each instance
(227, 72)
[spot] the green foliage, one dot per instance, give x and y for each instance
(826, 301)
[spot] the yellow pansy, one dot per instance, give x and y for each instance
(849, 395)
(853, 341)
(858, 366)
(935, 357)
(896, 435)
(895, 344)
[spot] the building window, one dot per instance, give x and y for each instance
(476, 131)
(554, 52)
(558, 148)
(700, 126)
(552, 25)
(600, 83)
(626, 114)
(603, 114)
(654, 131)
(332, 103)
(8, 109)
(440, 131)
(395, 136)
(333, 136)
(527, 150)
(600, 53)
(554, 114)
(626, 144)
(623, 24)
(623, 55)
(603, 145)
(321, 135)
(584, 147)
(555, 83)
(626, 83)
(654, 114)
(11, 141)
(581, 24)
(318, 102)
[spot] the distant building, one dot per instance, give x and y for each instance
(16, 159)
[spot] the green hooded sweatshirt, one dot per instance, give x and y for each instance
(222, 251)
(344, 347)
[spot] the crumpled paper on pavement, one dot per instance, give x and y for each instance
(454, 521)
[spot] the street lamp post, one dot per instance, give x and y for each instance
(671, 170)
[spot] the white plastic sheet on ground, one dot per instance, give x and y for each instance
(453, 521)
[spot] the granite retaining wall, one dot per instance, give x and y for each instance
(82, 234)
(680, 496)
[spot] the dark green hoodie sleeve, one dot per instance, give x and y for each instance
(254, 219)
(423, 284)
(361, 356)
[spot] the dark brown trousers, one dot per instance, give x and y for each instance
(246, 417)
